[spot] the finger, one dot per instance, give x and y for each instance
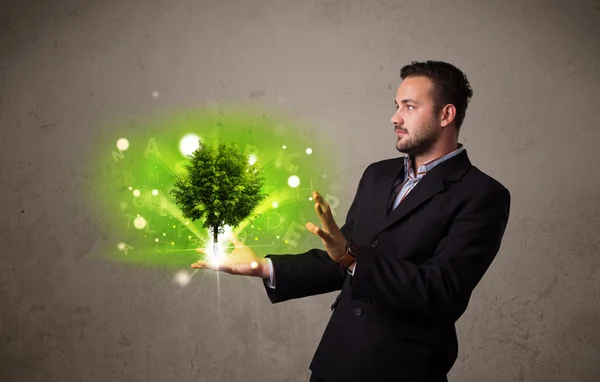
(198, 264)
(234, 239)
(322, 210)
(324, 214)
(318, 209)
(319, 198)
(203, 264)
(318, 231)
(236, 242)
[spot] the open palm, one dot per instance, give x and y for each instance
(241, 261)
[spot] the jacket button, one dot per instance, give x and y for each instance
(375, 243)
(358, 312)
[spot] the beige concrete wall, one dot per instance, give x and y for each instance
(66, 66)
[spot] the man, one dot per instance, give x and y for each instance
(420, 234)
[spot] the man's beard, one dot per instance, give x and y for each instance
(420, 143)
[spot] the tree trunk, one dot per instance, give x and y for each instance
(215, 242)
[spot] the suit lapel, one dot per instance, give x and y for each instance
(382, 191)
(433, 183)
(380, 194)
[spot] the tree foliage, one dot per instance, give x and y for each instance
(219, 187)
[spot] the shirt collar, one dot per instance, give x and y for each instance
(427, 166)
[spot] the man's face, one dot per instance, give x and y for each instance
(415, 121)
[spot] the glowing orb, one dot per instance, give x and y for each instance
(254, 265)
(136, 193)
(293, 181)
(122, 144)
(156, 240)
(284, 147)
(309, 151)
(189, 144)
(252, 159)
(155, 94)
(121, 246)
(182, 278)
(139, 222)
(154, 192)
(275, 204)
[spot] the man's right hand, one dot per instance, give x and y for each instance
(241, 261)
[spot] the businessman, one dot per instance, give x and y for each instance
(419, 235)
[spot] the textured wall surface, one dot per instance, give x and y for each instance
(532, 124)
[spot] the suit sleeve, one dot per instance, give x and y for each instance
(310, 273)
(441, 287)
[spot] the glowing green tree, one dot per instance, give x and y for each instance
(220, 187)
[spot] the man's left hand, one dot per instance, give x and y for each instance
(331, 235)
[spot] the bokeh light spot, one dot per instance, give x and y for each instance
(188, 144)
(122, 144)
(293, 181)
(139, 222)
(182, 278)
(252, 159)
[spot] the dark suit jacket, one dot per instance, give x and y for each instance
(394, 320)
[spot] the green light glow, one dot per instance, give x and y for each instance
(136, 168)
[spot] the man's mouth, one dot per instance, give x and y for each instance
(401, 132)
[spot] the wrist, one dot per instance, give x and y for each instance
(350, 255)
(342, 253)
(265, 270)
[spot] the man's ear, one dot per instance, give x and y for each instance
(447, 115)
